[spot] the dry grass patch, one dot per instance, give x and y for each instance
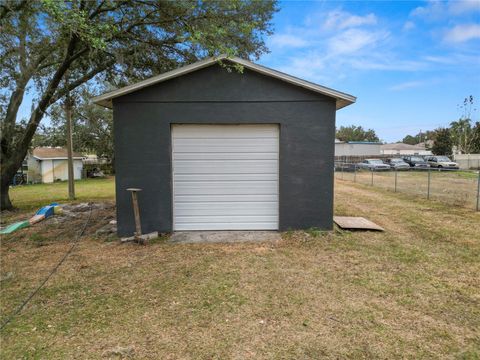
(411, 292)
(457, 188)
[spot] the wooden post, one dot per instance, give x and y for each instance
(68, 115)
(136, 211)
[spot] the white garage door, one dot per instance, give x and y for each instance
(225, 177)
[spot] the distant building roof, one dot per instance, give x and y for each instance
(357, 142)
(364, 142)
(43, 153)
(402, 146)
(428, 143)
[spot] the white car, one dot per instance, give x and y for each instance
(442, 162)
(374, 165)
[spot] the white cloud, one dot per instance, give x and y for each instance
(338, 20)
(339, 42)
(353, 40)
(435, 10)
(446, 60)
(407, 85)
(432, 10)
(463, 6)
(308, 66)
(409, 25)
(386, 63)
(288, 40)
(462, 33)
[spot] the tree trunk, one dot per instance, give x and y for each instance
(5, 203)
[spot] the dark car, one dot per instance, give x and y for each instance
(345, 167)
(397, 164)
(416, 162)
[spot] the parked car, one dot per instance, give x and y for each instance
(416, 162)
(442, 162)
(373, 164)
(345, 167)
(397, 164)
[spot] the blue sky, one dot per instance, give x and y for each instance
(410, 63)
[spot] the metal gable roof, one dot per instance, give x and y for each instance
(342, 99)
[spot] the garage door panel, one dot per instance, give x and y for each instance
(225, 177)
(226, 206)
(228, 226)
(225, 198)
(225, 166)
(226, 187)
(225, 131)
(226, 156)
(226, 219)
(261, 147)
(251, 190)
(251, 211)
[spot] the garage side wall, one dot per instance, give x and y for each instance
(142, 123)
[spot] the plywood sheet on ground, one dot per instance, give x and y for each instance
(356, 223)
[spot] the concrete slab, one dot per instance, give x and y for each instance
(189, 237)
(356, 223)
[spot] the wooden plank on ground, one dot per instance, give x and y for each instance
(356, 223)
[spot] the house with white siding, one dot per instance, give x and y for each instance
(49, 164)
(357, 148)
(404, 149)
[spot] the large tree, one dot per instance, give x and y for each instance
(464, 133)
(356, 133)
(420, 137)
(442, 142)
(53, 46)
(465, 137)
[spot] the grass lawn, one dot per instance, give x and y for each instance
(410, 292)
(28, 197)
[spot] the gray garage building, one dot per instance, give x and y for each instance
(218, 149)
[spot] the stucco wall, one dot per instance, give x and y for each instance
(142, 122)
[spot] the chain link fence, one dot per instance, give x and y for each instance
(456, 187)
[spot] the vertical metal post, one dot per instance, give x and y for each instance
(372, 176)
(354, 172)
(395, 189)
(428, 186)
(343, 169)
(478, 191)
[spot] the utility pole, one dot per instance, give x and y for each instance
(68, 116)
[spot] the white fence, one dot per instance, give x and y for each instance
(468, 161)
